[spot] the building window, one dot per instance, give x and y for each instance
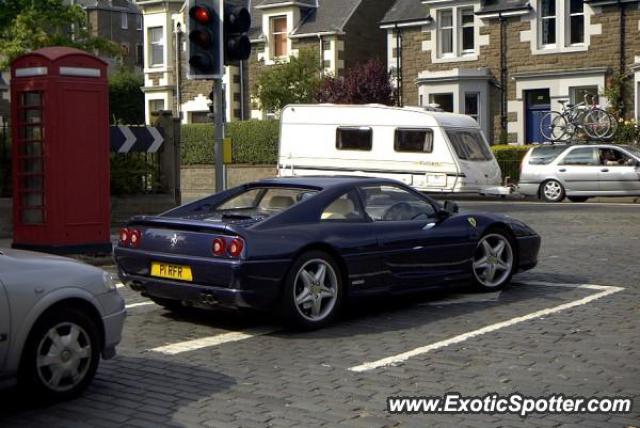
(139, 22)
(445, 32)
(124, 20)
(125, 49)
(156, 105)
(139, 55)
(156, 46)
(354, 139)
(279, 39)
(548, 22)
(443, 101)
(467, 30)
(585, 94)
(472, 105)
(576, 22)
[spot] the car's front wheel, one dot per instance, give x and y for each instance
(552, 191)
(313, 291)
(493, 261)
(61, 355)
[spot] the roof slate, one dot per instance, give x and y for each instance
(406, 11)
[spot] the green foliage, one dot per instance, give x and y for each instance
(253, 142)
(628, 132)
(134, 173)
(509, 158)
(5, 162)
(293, 82)
(613, 92)
(27, 25)
(126, 100)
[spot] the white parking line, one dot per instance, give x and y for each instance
(395, 359)
(137, 305)
(211, 341)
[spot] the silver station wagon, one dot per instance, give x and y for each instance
(580, 171)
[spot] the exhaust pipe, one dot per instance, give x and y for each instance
(209, 299)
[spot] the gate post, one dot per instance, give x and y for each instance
(169, 156)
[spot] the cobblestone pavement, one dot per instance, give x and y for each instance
(268, 377)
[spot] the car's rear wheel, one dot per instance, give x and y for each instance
(61, 355)
(577, 198)
(493, 261)
(313, 291)
(552, 191)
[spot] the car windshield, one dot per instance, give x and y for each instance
(544, 155)
(258, 203)
(469, 145)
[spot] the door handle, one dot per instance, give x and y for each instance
(563, 170)
(604, 170)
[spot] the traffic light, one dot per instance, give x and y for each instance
(237, 21)
(205, 36)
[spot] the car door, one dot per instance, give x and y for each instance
(620, 173)
(579, 169)
(417, 249)
(4, 324)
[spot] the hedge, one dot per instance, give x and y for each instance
(253, 142)
(509, 158)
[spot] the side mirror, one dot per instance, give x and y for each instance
(451, 207)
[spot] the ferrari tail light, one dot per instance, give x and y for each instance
(124, 236)
(218, 247)
(235, 247)
(134, 238)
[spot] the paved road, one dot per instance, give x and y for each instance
(225, 369)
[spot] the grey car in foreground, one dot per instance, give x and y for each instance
(57, 317)
(580, 171)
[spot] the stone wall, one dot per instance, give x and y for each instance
(199, 181)
(365, 40)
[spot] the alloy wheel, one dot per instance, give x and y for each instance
(493, 260)
(552, 190)
(315, 290)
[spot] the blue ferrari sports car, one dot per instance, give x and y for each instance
(302, 245)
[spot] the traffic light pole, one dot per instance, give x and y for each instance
(219, 125)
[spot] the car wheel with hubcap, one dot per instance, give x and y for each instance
(493, 261)
(552, 191)
(61, 355)
(313, 291)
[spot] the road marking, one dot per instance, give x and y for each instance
(211, 341)
(137, 305)
(119, 285)
(603, 292)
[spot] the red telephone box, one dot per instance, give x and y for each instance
(60, 132)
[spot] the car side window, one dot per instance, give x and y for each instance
(581, 156)
(393, 203)
(614, 157)
(345, 208)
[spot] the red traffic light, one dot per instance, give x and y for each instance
(201, 13)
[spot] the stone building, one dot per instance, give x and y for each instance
(504, 62)
(119, 21)
(342, 33)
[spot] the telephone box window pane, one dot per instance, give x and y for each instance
(32, 148)
(32, 216)
(32, 200)
(31, 166)
(30, 99)
(31, 183)
(31, 116)
(354, 139)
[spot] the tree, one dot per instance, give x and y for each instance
(364, 84)
(292, 82)
(126, 99)
(27, 25)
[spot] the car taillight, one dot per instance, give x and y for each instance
(218, 246)
(235, 247)
(124, 236)
(134, 237)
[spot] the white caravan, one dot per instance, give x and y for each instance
(431, 151)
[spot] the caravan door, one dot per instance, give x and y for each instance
(478, 166)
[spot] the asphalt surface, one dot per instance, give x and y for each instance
(244, 370)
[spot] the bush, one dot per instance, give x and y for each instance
(253, 142)
(367, 83)
(126, 100)
(509, 158)
(628, 132)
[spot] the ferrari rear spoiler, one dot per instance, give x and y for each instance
(181, 224)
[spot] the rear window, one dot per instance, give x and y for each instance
(469, 145)
(544, 155)
(354, 139)
(413, 141)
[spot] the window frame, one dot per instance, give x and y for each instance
(124, 20)
(159, 43)
(569, 24)
(462, 26)
(435, 94)
(273, 35)
(562, 161)
(354, 128)
(476, 115)
(426, 130)
(139, 23)
(442, 28)
(541, 22)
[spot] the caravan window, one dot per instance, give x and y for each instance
(414, 141)
(354, 139)
(469, 145)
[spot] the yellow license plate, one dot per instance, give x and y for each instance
(164, 270)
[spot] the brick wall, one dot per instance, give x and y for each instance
(364, 39)
(107, 24)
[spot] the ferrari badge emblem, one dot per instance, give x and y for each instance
(472, 221)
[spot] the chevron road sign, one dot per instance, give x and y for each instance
(126, 139)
